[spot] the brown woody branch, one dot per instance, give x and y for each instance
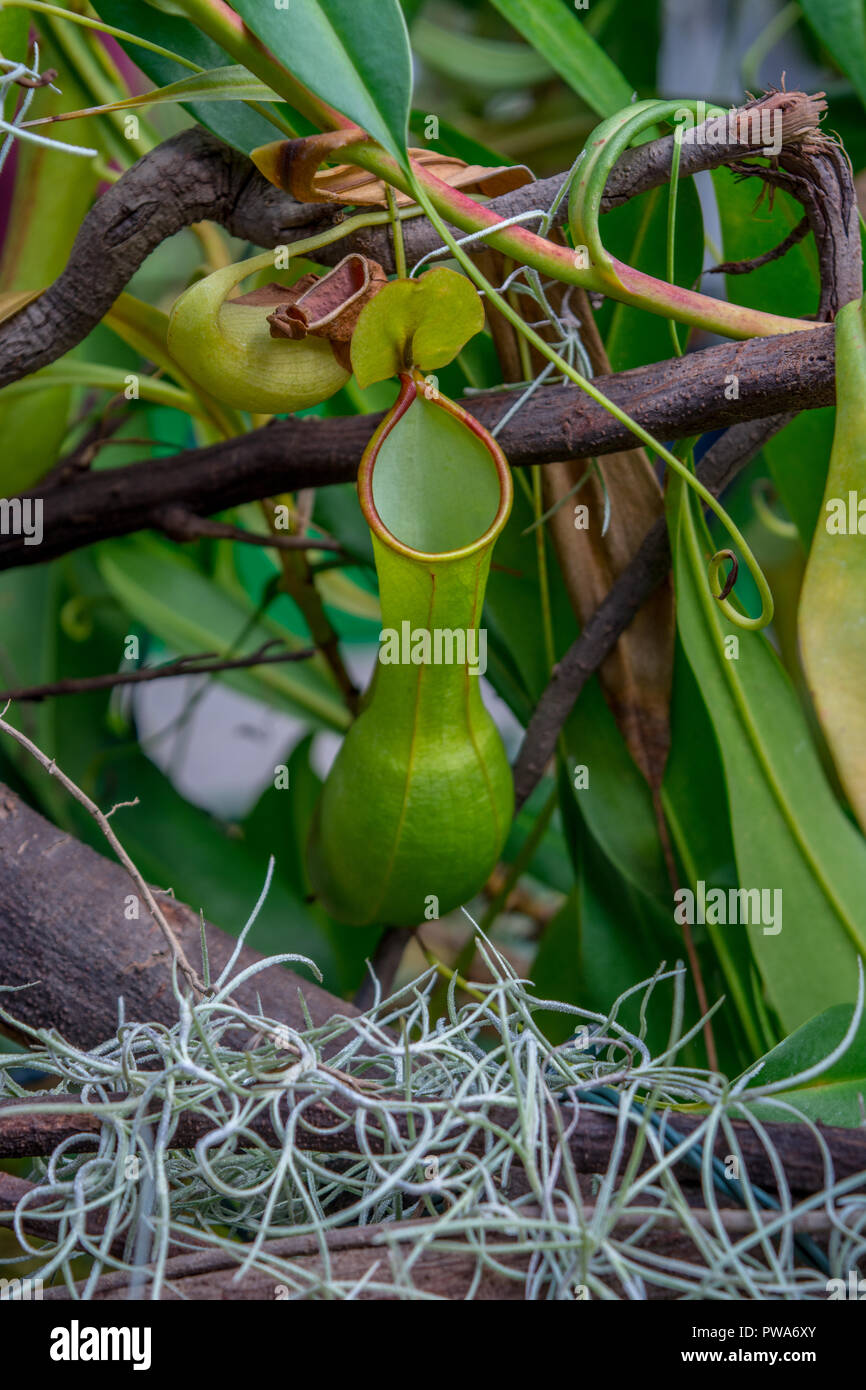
(591, 1142)
(65, 935)
(203, 664)
(181, 525)
(359, 1253)
(672, 399)
(194, 176)
(210, 1273)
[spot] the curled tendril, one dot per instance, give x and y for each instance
(721, 590)
(605, 145)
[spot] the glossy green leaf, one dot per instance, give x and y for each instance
(239, 125)
(836, 1096)
(481, 62)
(789, 832)
(831, 619)
(558, 34)
(841, 25)
(231, 83)
(355, 56)
(422, 323)
(162, 589)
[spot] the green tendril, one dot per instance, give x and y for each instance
(606, 143)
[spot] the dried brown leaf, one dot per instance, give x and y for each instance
(321, 306)
(294, 165)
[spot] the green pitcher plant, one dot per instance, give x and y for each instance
(227, 346)
(415, 810)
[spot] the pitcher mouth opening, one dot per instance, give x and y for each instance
(491, 502)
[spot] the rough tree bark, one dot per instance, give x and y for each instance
(63, 932)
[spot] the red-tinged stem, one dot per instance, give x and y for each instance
(630, 286)
(624, 284)
(699, 310)
(225, 27)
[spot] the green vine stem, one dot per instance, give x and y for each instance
(731, 613)
(397, 234)
(672, 228)
(627, 285)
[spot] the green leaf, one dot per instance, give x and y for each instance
(696, 809)
(617, 804)
(52, 194)
(789, 832)
(238, 125)
(450, 140)
(519, 664)
(355, 57)
(841, 25)
(190, 613)
(607, 936)
(837, 1095)
(481, 62)
(422, 323)
(558, 34)
(96, 375)
(30, 601)
(831, 626)
(231, 83)
(210, 868)
(631, 36)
